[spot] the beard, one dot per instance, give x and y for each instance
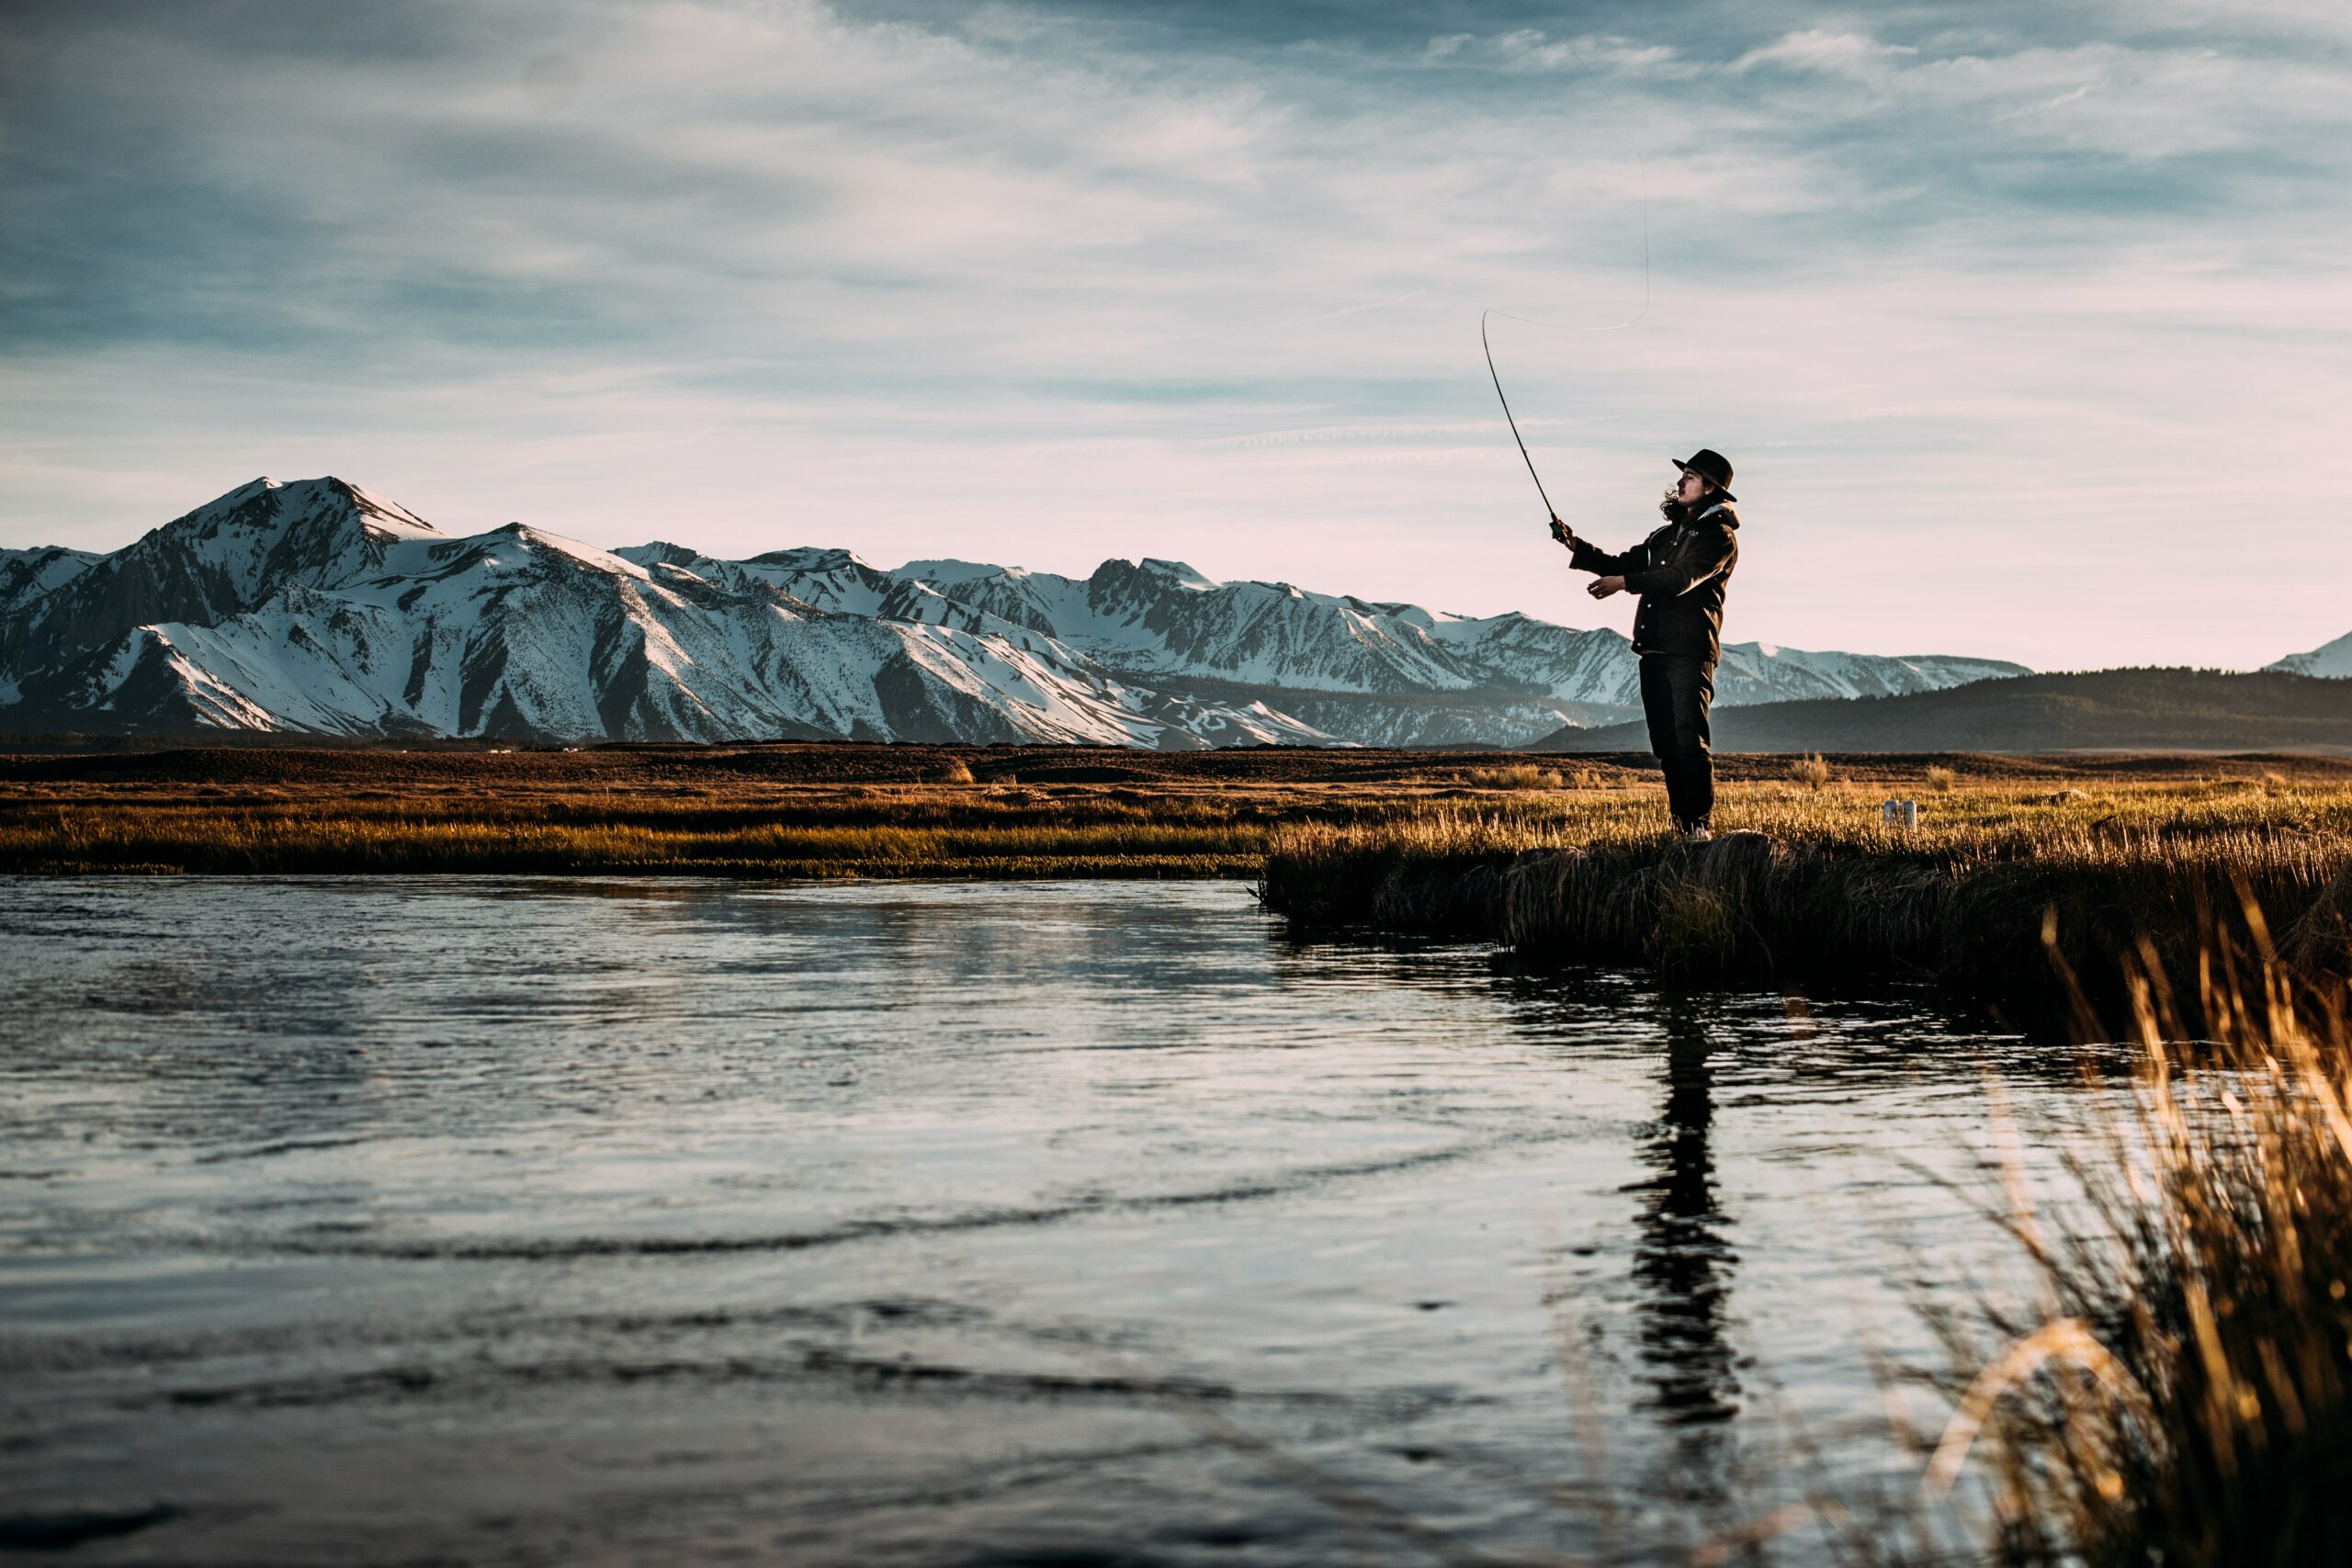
(1670, 506)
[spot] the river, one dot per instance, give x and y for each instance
(528, 1220)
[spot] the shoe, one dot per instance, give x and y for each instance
(1698, 835)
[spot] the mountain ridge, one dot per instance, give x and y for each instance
(2330, 661)
(316, 607)
(2141, 709)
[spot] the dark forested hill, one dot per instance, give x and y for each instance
(2149, 710)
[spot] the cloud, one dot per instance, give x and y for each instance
(1834, 55)
(1530, 49)
(1063, 281)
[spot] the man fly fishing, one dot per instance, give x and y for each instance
(1680, 572)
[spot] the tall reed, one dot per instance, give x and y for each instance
(2182, 1392)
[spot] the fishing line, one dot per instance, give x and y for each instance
(1552, 512)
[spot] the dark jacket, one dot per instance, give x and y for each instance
(1679, 571)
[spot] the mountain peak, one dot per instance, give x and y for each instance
(571, 548)
(378, 512)
(266, 502)
(660, 552)
(227, 557)
(2332, 660)
(947, 570)
(1176, 573)
(816, 558)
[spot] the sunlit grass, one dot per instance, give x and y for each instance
(1393, 850)
(1807, 886)
(2179, 1390)
(1520, 775)
(953, 826)
(298, 841)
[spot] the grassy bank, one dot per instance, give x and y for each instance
(783, 811)
(1565, 862)
(817, 810)
(1805, 888)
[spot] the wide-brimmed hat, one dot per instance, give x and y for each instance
(1710, 466)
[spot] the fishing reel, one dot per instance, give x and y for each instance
(1561, 533)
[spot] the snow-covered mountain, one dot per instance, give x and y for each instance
(2329, 660)
(26, 575)
(218, 560)
(316, 607)
(1767, 673)
(1158, 619)
(313, 606)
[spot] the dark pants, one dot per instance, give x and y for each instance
(1676, 694)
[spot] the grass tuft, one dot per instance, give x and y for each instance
(1518, 775)
(2181, 1393)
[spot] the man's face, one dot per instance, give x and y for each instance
(1691, 490)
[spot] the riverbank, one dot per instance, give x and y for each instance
(1997, 896)
(1564, 862)
(783, 811)
(801, 810)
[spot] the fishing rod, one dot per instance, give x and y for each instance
(1550, 512)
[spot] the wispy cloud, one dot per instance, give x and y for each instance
(1855, 55)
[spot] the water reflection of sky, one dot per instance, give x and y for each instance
(929, 1224)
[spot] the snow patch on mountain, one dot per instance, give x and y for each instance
(26, 575)
(1163, 619)
(1766, 672)
(2331, 661)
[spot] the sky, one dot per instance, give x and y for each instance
(2027, 326)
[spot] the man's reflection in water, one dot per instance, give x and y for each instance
(1681, 1262)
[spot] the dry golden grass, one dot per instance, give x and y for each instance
(876, 811)
(1518, 775)
(1806, 887)
(2178, 1390)
(1311, 817)
(902, 831)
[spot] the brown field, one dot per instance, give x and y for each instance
(958, 811)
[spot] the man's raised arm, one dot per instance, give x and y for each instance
(1588, 557)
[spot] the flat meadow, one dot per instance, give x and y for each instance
(848, 810)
